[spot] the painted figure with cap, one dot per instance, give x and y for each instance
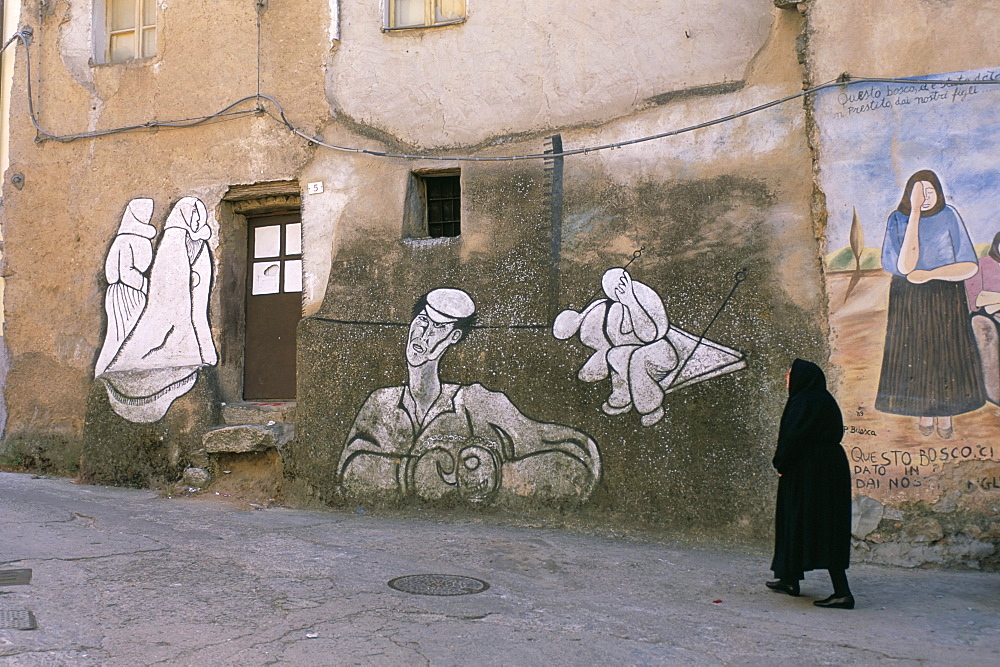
(434, 440)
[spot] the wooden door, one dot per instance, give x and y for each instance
(273, 307)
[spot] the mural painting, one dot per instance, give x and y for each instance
(636, 346)
(930, 366)
(912, 271)
(434, 440)
(158, 335)
(984, 298)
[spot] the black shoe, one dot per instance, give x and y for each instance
(784, 587)
(835, 602)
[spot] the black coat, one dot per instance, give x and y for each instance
(812, 523)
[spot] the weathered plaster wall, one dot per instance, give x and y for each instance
(919, 499)
(899, 37)
(521, 66)
(11, 10)
(61, 224)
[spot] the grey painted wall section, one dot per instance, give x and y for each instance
(698, 233)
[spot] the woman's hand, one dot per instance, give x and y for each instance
(624, 290)
(917, 198)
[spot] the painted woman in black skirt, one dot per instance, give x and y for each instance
(930, 365)
(812, 521)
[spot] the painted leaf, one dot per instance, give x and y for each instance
(857, 247)
(857, 238)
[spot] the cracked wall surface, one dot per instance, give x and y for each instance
(557, 64)
(702, 205)
(206, 61)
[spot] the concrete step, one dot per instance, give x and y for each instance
(247, 438)
(258, 412)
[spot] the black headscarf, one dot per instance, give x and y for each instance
(811, 421)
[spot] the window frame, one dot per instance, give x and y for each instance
(389, 12)
(104, 33)
(416, 214)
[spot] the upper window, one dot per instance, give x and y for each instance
(423, 13)
(131, 30)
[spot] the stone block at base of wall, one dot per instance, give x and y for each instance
(247, 438)
(118, 452)
(922, 534)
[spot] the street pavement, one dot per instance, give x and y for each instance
(127, 577)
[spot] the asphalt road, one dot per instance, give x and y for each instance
(125, 577)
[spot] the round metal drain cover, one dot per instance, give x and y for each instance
(438, 584)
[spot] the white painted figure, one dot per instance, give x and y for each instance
(635, 345)
(125, 268)
(171, 341)
(432, 440)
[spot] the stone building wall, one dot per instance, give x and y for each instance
(702, 207)
(560, 393)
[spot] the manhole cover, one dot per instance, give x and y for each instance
(438, 584)
(17, 619)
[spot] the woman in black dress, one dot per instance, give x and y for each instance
(812, 527)
(930, 367)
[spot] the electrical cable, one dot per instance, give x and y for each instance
(260, 8)
(41, 25)
(223, 114)
(843, 79)
(226, 113)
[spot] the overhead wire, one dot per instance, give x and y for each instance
(224, 114)
(227, 113)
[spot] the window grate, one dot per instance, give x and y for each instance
(444, 205)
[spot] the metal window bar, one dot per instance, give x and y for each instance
(444, 205)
